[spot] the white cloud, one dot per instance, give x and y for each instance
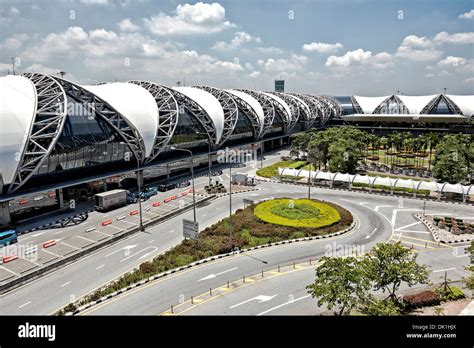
(417, 48)
(452, 61)
(457, 38)
(42, 69)
(94, 2)
(14, 42)
(294, 63)
(255, 74)
(199, 18)
(127, 25)
(322, 47)
(249, 66)
(269, 50)
(240, 38)
(467, 15)
(14, 11)
(469, 80)
(351, 57)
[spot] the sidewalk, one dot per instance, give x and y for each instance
(469, 309)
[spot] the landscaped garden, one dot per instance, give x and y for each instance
(249, 227)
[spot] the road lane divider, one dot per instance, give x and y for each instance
(167, 200)
(90, 229)
(49, 243)
(133, 212)
(107, 222)
(9, 258)
(120, 217)
(156, 204)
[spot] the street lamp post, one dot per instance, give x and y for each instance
(192, 176)
(209, 157)
(230, 203)
(142, 228)
(309, 182)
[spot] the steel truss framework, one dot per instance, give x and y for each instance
(384, 107)
(436, 100)
(267, 106)
(305, 112)
(197, 111)
(230, 108)
(356, 106)
(247, 111)
(334, 105)
(98, 107)
(50, 114)
(315, 108)
(167, 115)
(323, 106)
(282, 113)
(294, 107)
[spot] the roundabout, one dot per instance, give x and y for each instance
(298, 213)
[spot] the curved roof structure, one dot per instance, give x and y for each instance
(18, 101)
(415, 104)
(142, 113)
(368, 104)
(464, 102)
(210, 104)
(283, 104)
(254, 104)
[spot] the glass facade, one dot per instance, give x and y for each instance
(86, 141)
(243, 127)
(441, 108)
(189, 132)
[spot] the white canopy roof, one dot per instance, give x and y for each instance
(17, 112)
(136, 104)
(282, 102)
(377, 180)
(209, 103)
(308, 110)
(464, 102)
(254, 104)
(369, 104)
(415, 104)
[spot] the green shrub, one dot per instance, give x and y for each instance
(451, 293)
(327, 215)
(380, 307)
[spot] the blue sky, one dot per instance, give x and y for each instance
(364, 47)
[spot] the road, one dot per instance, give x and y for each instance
(380, 219)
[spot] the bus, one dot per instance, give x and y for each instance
(8, 237)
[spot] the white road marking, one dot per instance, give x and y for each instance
(138, 252)
(444, 270)
(465, 255)
(151, 241)
(383, 206)
(212, 275)
(69, 282)
(284, 304)
(24, 304)
(124, 248)
(259, 298)
(409, 225)
(100, 266)
(410, 231)
(171, 231)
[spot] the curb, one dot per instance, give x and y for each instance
(435, 234)
(199, 262)
(73, 257)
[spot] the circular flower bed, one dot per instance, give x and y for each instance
(297, 213)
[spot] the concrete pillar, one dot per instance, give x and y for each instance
(5, 218)
(60, 196)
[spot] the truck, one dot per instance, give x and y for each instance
(112, 199)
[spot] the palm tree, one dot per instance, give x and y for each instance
(433, 140)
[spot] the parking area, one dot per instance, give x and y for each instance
(40, 249)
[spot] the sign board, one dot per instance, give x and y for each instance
(190, 229)
(248, 201)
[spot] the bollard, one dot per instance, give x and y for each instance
(172, 311)
(278, 268)
(310, 262)
(412, 245)
(210, 292)
(426, 245)
(228, 287)
(262, 273)
(439, 242)
(294, 265)
(243, 279)
(192, 300)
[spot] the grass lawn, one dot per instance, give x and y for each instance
(272, 170)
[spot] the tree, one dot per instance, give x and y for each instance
(451, 159)
(340, 282)
(432, 139)
(300, 142)
(389, 265)
(375, 307)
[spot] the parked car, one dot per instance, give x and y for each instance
(184, 183)
(148, 192)
(166, 187)
(217, 172)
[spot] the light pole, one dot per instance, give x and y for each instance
(141, 227)
(209, 158)
(230, 203)
(261, 154)
(192, 176)
(309, 182)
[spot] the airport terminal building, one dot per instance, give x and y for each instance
(55, 133)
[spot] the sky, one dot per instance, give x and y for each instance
(361, 47)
